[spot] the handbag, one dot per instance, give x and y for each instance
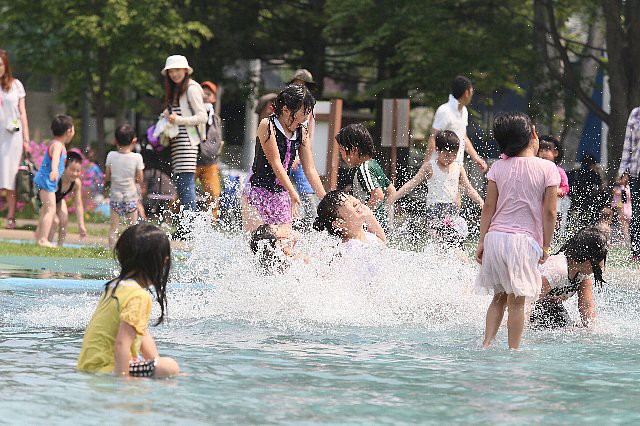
(25, 190)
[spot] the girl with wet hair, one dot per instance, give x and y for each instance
(573, 269)
(344, 216)
(274, 247)
(271, 195)
(117, 339)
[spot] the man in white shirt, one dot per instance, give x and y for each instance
(454, 116)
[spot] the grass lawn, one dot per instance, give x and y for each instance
(30, 249)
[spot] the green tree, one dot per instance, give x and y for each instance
(104, 48)
(571, 61)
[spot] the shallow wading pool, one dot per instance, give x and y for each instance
(361, 341)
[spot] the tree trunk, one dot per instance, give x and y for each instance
(99, 108)
(623, 49)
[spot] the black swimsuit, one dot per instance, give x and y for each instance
(59, 194)
(263, 175)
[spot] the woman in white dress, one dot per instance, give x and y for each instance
(14, 133)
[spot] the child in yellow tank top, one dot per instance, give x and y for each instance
(117, 339)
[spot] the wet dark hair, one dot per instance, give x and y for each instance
(72, 157)
(459, 85)
(549, 142)
(588, 160)
(263, 244)
(356, 136)
(125, 135)
(447, 140)
(589, 244)
(141, 250)
(328, 212)
(61, 124)
(513, 132)
(295, 97)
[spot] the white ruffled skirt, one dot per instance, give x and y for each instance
(510, 265)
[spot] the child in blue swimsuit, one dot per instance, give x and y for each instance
(48, 176)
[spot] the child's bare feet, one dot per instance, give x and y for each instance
(45, 243)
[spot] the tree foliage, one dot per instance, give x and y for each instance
(106, 48)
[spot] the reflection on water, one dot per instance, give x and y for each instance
(382, 336)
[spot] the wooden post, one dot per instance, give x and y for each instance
(333, 155)
(394, 140)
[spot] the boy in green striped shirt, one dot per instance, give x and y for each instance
(370, 184)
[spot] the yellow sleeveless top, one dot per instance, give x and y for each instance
(131, 304)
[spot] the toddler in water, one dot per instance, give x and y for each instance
(344, 216)
(370, 184)
(518, 217)
(572, 270)
(49, 174)
(117, 339)
(124, 170)
(69, 184)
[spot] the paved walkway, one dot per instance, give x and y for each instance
(72, 236)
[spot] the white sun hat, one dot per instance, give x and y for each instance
(176, 61)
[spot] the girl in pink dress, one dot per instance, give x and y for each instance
(516, 226)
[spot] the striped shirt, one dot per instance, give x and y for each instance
(630, 161)
(183, 155)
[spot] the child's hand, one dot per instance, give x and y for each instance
(544, 258)
(295, 165)
(482, 164)
(295, 204)
(53, 176)
(83, 231)
(479, 253)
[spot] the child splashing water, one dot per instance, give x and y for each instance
(572, 270)
(518, 217)
(346, 217)
(274, 247)
(445, 177)
(370, 184)
(117, 339)
(272, 197)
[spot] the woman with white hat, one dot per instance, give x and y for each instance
(185, 108)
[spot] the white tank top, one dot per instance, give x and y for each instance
(443, 186)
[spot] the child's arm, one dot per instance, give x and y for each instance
(488, 210)
(124, 339)
(471, 191)
(374, 227)
(586, 305)
(425, 172)
(148, 346)
(548, 219)
(563, 189)
(77, 191)
(309, 166)
(55, 161)
(391, 193)
(375, 198)
(107, 173)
